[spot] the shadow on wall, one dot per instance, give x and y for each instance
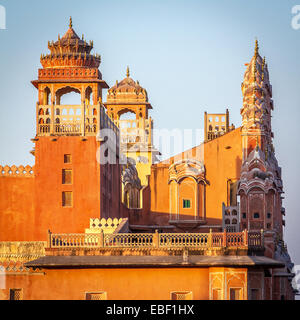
(161, 221)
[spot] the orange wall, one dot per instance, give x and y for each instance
(17, 208)
(222, 159)
(221, 163)
(126, 283)
(29, 207)
(120, 284)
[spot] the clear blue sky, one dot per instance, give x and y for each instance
(189, 55)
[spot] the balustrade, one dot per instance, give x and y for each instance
(244, 239)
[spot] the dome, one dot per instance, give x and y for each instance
(70, 51)
(127, 90)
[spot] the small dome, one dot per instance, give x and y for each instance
(127, 89)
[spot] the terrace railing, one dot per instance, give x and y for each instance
(251, 240)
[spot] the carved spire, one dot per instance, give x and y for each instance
(256, 49)
(263, 69)
(128, 72)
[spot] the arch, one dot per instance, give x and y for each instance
(234, 212)
(89, 95)
(126, 114)
(227, 221)
(41, 112)
(68, 95)
(47, 96)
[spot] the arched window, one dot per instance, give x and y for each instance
(234, 221)
(256, 215)
(68, 96)
(227, 221)
(127, 115)
(89, 95)
(47, 96)
(227, 212)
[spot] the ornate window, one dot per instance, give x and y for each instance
(235, 294)
(16, 294)
(186, 204)
(187, 186)
(96, 296)
(185, 295)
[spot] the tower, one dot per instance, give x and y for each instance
(260, 185)
(257, 106)
(136, 135)
(71, 184)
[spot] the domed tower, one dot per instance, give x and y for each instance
(69, 67)
(260, 186)
(136, 135)
(72, 185)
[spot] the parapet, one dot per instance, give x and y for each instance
(15, 171)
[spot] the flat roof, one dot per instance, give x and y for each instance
(152, 261)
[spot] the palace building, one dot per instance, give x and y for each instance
(100, 217)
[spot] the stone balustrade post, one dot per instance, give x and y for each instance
(101, 239)
(225, 239)
(245, 237)
(210, 240)
(156, 239)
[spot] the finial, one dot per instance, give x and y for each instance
(263, 68)
(71, 23)
(128, 72)
(256, 48)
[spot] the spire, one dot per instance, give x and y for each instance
(256, 49)
(128, 72)
(263, 68)
(71, 23)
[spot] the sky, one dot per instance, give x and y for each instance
(190, 55)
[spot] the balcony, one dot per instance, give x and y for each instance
(163, 241)
(135, 131)
(72, 120)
